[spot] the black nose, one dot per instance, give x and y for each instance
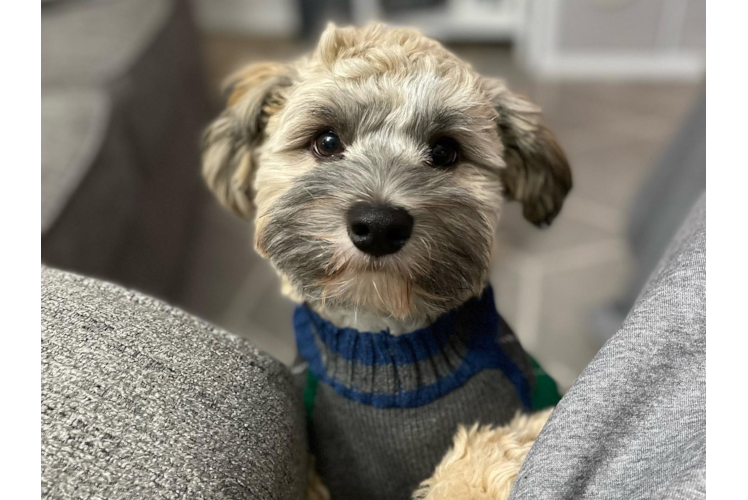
(379, 230)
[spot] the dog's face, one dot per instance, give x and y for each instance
(376, 170)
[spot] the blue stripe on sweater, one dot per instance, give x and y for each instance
(484, 352)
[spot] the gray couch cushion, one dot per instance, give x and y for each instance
(74, 125)
(140, 400)
(91, 185)
(120, 203)
(95, 42)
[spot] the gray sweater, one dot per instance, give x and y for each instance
(383, 408)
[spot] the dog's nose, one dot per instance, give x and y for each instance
(379, 230)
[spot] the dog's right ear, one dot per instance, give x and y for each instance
(253, 95)
(537, 173)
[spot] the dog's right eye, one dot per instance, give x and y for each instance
(444, 152)
(327, 144)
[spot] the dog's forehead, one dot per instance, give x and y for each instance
(421, 104)
(404, 101)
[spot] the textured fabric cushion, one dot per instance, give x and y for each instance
(140, 400)
(633, 426)
(94, 42)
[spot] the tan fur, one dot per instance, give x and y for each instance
(228, 159)
(537, 171)
(483, 462)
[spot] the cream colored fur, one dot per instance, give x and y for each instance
(484, 461)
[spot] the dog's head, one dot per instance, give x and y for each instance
(376, 170)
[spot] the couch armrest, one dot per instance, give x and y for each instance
(140, 400)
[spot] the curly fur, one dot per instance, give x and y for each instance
(484, 461)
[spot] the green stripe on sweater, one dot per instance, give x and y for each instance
(546, 391)
(310, 392)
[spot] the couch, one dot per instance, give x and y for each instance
(123, 105)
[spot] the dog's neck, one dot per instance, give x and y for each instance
(413, 369)
(357, 319)
(368, 322)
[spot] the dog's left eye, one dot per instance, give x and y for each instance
(444, 152)
(327, 144)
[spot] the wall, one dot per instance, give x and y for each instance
(606, 25)
(252, 18)
(639, 39)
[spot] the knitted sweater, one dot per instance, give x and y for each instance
(386, 407)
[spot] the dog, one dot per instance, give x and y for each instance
(375, 171)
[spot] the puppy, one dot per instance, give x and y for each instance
(375, 171)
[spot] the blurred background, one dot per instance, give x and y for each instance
(128, 85)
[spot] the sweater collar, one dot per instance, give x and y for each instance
(410, 370)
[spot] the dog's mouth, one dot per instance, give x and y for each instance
(381, 265)
(348, 258)
(431, 272)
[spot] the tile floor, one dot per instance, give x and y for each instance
(548, 283)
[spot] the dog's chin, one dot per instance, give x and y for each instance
(379, 292)
(386, 287)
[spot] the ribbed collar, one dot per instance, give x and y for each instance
(410, 370)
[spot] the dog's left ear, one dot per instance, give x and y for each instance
(537, 173)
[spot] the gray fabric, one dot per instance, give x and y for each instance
(123, 105)
(97, 41)
(663, 203)
(91, 186)
(139, 400)
(633, 426)
(668, 194)
(74, 125)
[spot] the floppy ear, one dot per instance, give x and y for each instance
(537, 173)
(254, 94)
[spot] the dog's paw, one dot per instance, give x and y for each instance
(315, 488)
(484, 461)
